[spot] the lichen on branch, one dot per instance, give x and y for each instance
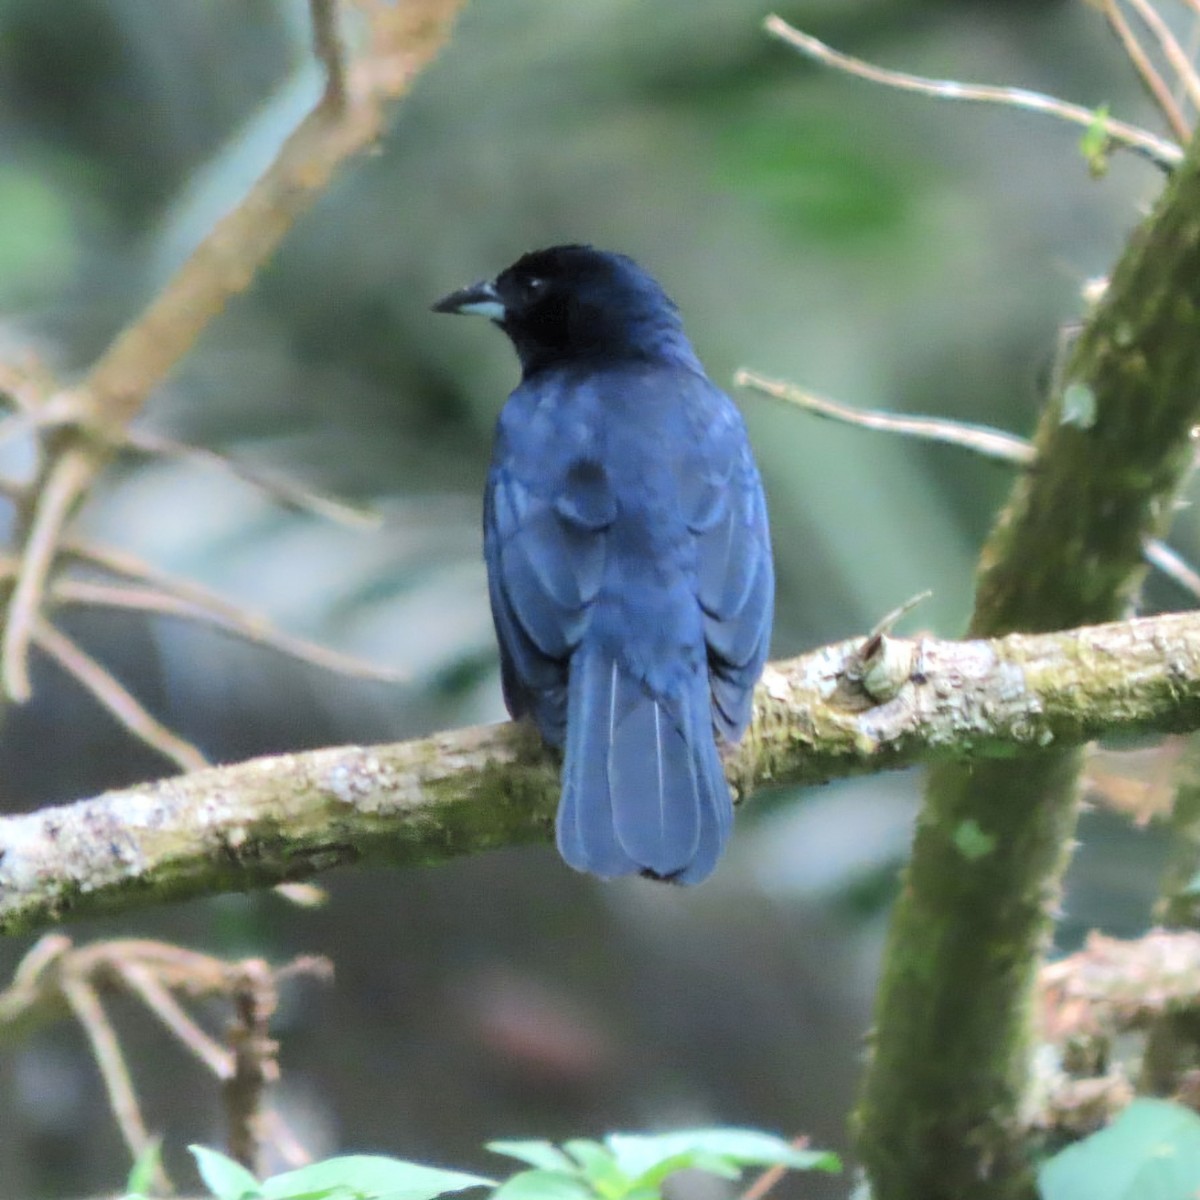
(857, 707)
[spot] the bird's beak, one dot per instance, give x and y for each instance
(480, 298)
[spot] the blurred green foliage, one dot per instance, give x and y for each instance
(1150, 1152)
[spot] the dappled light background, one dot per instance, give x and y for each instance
(886, 250)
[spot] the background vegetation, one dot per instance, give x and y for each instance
(884, 250)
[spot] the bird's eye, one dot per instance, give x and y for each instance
(533, 287)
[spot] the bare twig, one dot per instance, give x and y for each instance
(1112, 986)
(1174, 566)
(1155, 84)
(771, 1177)
(58, 411)
(287, 1145)
(146, 985)
(282, 491)
(69, 475)
(89, 1012)
(256, 1064)
(25, 383)
(328, 48)
(115, 697)
(981, 439)
(1173, 52)
(1158, 150)
(57, 979)
(227, 618)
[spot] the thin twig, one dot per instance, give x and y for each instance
(1173, 52)
(1158, 150)
(24, 385)
(770, 1178)
(64, 485)
(45, 953)
(982, 439)
(255, 1058)
(290, 1149)
(328, 48)
(282, 491)
(226, 618)
(56, 979)
(62, 409)
(89, 1012)
(148, 988)
(1155, 84)
(115, 697)
(1173, 566)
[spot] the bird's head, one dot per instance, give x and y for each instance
(570, 304)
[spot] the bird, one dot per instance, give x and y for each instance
(628, 558)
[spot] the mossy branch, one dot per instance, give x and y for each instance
(942, 1105)
(852, 708)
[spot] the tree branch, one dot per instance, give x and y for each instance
(398, 42)
(941, 1114)
(852, 708)
(1157, 150)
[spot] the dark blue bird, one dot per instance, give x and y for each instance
(628, 557)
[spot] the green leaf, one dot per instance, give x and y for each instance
(639, 1155)
(973, 841)
(1078, 406)
(368, 1177)
(1150, 1152)
(226, 1179)
(599, 1166)
(544, 1155)
(695, 1160)
(143, 1174)
(543, 1185)
(1095, 142)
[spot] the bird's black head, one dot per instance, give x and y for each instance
(574, 304)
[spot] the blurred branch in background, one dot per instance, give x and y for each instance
(995, 444)
(860, 707)
(1119, 133)
(1097, 1015)
(1160, 90)
(79, 430)
(57, 980)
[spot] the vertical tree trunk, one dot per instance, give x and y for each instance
(941, 1116)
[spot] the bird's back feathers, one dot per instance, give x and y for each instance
(629, 561)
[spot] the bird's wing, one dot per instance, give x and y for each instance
(735, 581)
(544, 545)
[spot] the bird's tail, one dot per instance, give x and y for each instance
(643, 785)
